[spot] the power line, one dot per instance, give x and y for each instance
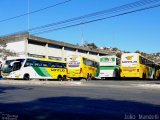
(11, 18)
(125, 13)
(139, 3)
(93, 17)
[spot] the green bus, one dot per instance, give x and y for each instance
(109, 67)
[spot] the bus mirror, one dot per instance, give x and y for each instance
(12, 63)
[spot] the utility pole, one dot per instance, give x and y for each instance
(82, 40)
(28, 15)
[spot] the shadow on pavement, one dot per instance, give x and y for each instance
(77, 108)
(4, 89)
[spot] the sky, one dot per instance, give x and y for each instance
(131, 32)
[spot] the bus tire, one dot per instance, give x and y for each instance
(26, 76)
(116, 72)
(154, 77)
(64, 77)
(59, 78)
(89, 77)
(144, 76)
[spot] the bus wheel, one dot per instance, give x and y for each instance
(102, 78)
(59, 78)
(154, 77)
(144, 76)
(89, 77)
(26, 77)
(64, 77)
(116, 74)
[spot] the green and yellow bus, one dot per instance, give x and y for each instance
(81, 67)
(134, 65)
(33, 68)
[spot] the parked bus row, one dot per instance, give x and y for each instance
(130, 65)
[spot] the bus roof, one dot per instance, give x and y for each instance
(138, 55)
(108, 56)
(42, 59)
(83, 57)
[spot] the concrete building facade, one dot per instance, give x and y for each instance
(29, 45)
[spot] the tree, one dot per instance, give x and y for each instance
(5, 52)
(91, 45)
(137, 51)
(115, 49)
(119, 54)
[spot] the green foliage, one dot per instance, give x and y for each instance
(115, 49)
(91, 45)
(119, 54)
(5, 52)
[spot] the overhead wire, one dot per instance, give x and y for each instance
(93, 17)
(21, 15)
(139, 3)
(108, 11)
(125, 13)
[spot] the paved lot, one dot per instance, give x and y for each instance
(91, 100)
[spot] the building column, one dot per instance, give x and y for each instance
(63, 54)
(88, 54)
(26, 47)
(76, 52)
(46, 51)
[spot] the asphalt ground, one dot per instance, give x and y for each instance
(91, 100)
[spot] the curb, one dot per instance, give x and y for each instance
(40, 83)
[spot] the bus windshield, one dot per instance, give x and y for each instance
(129, 60)
(12, 65)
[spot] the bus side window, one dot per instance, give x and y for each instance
(140, 60)
(64, 65)
(37, 63)
(49, 64)
(45, 64)
(17, 66)
(85, 61)
(59, 65)
(53, 65)
(28, 63)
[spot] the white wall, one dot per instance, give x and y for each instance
(54, 52)
(68, 53)
(83, 54)
(17, 46)
(37, 49)
(95, 57)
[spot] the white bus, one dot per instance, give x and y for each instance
(109, 66)
(33, 68)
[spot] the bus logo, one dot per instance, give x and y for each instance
(129, 57)
(73, 58)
